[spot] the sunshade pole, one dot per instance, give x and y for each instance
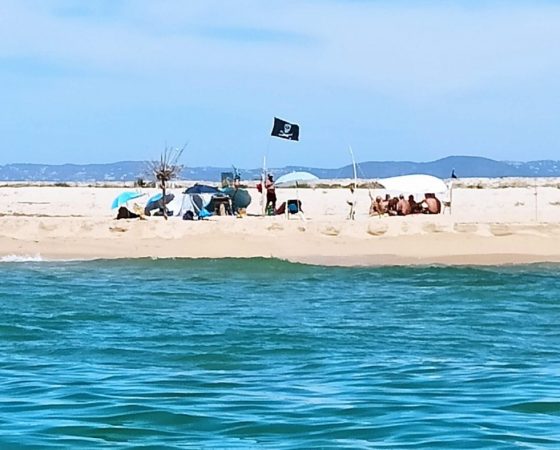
(536, 202)
(352, 210)
(264, 177)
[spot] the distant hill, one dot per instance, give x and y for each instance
(465, 167)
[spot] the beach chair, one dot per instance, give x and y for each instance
(293, 207)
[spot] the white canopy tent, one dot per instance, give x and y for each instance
(416, 184)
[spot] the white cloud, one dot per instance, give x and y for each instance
(401, 48)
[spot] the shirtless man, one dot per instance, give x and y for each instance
(377, 207)
(392, 206)
(403, 207)
(415, 208)
(431, 204)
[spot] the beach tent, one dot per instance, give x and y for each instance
(194, 203)
(416, 184)
(195, 199)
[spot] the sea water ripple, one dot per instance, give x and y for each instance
(262, 353)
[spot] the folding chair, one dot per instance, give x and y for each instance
(294, 207)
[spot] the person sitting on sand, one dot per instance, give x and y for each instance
(125, 213)
(403, 208)
(392, 206)
(386, 201)
(377, 207)
(431, 204)
(415, 208)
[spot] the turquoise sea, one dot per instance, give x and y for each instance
(267, 354)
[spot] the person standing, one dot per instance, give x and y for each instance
(270, 194)
(352, 203)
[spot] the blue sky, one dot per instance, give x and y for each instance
(113, 80)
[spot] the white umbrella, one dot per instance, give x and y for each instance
(414, 184)
(296, 177)
(292, 179)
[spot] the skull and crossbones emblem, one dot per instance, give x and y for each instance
(286, 132)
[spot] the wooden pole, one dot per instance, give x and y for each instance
(536, 202)
(263, 187)
(354, 193)
(264, 177)
(163, 190)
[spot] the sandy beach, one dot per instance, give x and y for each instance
(492, 222)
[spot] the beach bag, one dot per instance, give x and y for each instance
(189, 215)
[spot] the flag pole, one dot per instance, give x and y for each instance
(263, 188)
(281, 129)
(263, 179)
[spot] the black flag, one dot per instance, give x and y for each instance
(285, 130)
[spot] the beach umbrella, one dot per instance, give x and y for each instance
(154, 198)
(414, 184)
(296, 177)
(155, 202)
(202, 189)
(293, 178)
(124, 198)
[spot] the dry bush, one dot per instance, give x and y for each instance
(166, 169)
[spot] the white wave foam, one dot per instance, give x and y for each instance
(21, 258)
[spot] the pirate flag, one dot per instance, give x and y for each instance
(285, 130)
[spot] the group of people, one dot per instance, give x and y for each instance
(401, 206)
(392, 206)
